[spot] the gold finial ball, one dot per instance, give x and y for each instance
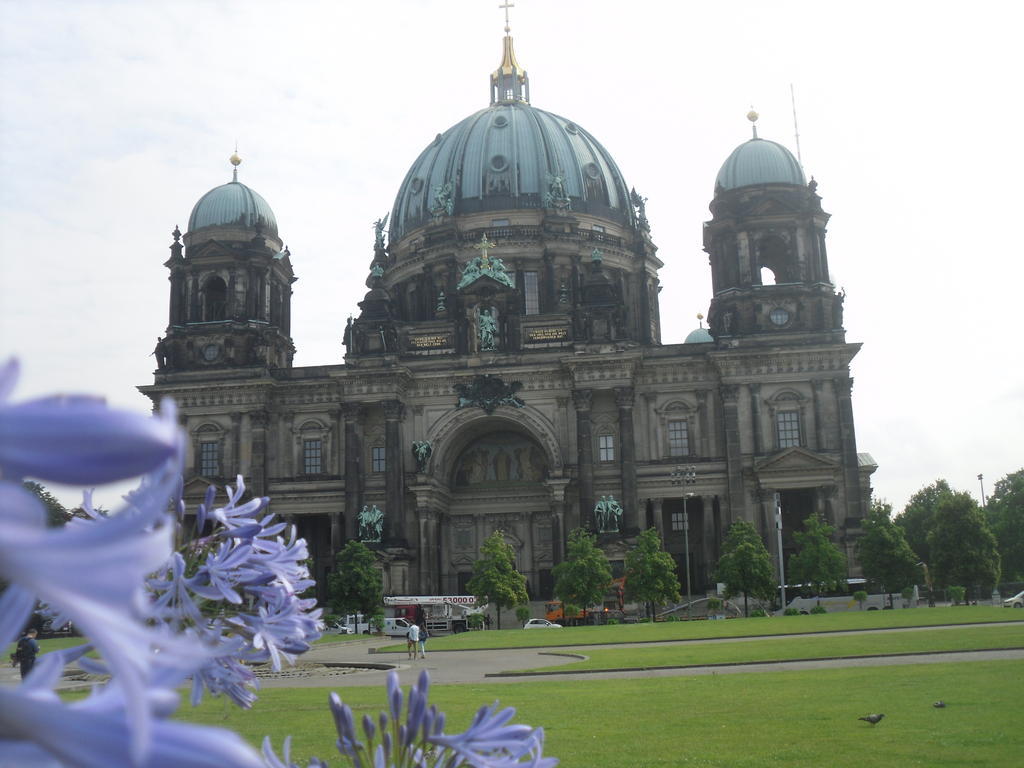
(235, 160)
(752, 116)
(700, 315)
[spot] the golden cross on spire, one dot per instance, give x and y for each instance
(483, 246)
(506, 6)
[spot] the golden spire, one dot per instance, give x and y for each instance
(509, 82)
(752, 117)
(236, 161)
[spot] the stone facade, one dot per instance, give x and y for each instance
(506, 372)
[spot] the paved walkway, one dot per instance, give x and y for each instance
(358, 665)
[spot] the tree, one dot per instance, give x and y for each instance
(916, 517)
(651, 572)
(56, 513)
(884, 554)
(495, 578)
(745, 565)
(355, 586)
(818, 561)
(1005, 513)
(963, 548)
(584, 576)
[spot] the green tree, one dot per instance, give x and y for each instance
(495, 578)
(884, 554)
(745, 565)
(651, 572)
(916, 518)
(1005, 513)
(56, 513)
(818, 561)
(584, 576)
(963, 548)
(355, 586)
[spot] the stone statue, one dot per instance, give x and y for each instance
(640, 203)
(161, 352)
(378, 230)
(608, 515)
(554, 195)
(421, 451)
(371, 524)
(488, 329)
(377, 270)
(443, 201)
(597, 256)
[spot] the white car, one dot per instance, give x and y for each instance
(1017, 601)
(339, 629)
(540, 624)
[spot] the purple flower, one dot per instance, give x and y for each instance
(78, 439)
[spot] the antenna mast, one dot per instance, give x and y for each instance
(796, 130)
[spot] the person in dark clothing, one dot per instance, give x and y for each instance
(28, 649)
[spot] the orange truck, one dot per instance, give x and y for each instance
(614, 599)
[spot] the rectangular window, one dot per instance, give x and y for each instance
(532, 293)
(788, 423)
(500, 222)
(678, 438)
(677, 521)
(209, 459)
(378, 461)
(597, 228)
(606, 448)
(312, 457)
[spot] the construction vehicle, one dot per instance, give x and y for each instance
(614, 599)
(441, 614)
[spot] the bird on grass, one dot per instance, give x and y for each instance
(873, 719)
(939, 704)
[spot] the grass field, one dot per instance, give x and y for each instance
(736, 720)
(693, 630)
(960, 638)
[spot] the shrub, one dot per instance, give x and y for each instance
(907, 593)
(673, 617)
(475, 620)
(522, 613)
(758, 614)
(956, 594)
(861, 597)
(818, 609)
(612, 621)
(714, 604)
(791, 612)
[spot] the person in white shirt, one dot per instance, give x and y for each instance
(414, 637)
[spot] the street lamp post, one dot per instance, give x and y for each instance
(778, 534)
(981, 479)
(686, 476)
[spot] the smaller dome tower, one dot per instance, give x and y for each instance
(231, 276)
(766, 245)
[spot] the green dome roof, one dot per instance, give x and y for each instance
(698, 336)
(233, 205)
(759, 161)
(502, 158)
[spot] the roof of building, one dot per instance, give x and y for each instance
(510, 156)
(233, 205)
(759, 161)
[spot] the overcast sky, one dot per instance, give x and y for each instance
(115, 117)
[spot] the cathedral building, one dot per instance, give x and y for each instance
(506, 369)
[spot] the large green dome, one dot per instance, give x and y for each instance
(759, 161)
(233, 205)
(504, 158)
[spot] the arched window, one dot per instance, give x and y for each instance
(775, 256)
(215, 299)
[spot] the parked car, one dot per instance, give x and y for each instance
(337, 628)
(541, 624)
(1017, 601)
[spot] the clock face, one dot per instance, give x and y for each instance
(211, 352)
(779, 316)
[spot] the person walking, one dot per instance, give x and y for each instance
(413, 638)
(423, 640)
(26, 652)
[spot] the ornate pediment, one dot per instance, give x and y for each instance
(796, 459)
(488, 392)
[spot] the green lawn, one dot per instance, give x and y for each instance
(737, 720)
(783, 649)
(690, 630)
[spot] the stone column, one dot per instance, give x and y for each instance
(819, 434)
(194, 311)
(733, 453)
(258, 468)
(333, 443)
(659, 516)
(394, 513)
(702, 422)
(755, 418)
(234, 461)
(848, 446)
(353, 477)
(627, 458)
(581, 399)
